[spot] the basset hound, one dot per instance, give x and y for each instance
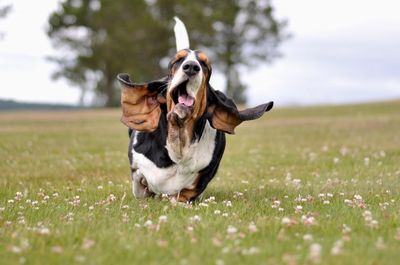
(177, 127)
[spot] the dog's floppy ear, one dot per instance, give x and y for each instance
(141, 103)
(224, 114)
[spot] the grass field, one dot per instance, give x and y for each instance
(299, 186)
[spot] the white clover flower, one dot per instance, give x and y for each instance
(21, 220)
(250, 251)
(15, 249)
(87, 243)
(276, 204)
(231, 230)
(374, 224)
(210, 199)
(308, 237)
(227, 203)
(237, 194)
(308, 220)
(344, 150)
(43, 231)
(346, 229)
(367, 214)
(148, 223)
(18, 196)
(253, 227)
(286, 221)
(195, 218)
(163, 219)
(337, 248)
(219, 262)
(298, 209)
(56, 249)
(111, 198)
(315, 253)
(296, 181)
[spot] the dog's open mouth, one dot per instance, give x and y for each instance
(180, 95)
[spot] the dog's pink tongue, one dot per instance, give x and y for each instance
(186, 100)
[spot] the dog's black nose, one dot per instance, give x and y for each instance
(191, 68)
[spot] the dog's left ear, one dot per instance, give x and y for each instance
(225, 115)
(141, 103)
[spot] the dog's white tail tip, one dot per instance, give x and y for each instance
(181, 35)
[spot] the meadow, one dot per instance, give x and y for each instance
(302, 185)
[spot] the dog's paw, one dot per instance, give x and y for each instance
(179, 114)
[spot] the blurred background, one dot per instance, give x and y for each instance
(293, 52)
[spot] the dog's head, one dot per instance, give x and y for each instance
(189, 75)
(185, 91)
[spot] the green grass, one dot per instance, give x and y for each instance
(294, 156)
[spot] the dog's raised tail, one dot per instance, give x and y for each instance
(181, 35)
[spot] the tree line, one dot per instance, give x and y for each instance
(100, 38)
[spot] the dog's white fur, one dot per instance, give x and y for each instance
(173, 179)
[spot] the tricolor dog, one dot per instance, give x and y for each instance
(178, 125)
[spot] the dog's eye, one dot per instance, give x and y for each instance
(178, 61)
(203, 64)
(175, 63)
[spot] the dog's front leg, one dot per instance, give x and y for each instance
(178, 136)
(139, 185)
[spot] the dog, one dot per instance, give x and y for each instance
(177, 126)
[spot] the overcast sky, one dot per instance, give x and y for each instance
(341, 51)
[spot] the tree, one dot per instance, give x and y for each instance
(135, 36)
(4, 10)
(246, 33)
(105, 38)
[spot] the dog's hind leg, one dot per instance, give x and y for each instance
(139, 185)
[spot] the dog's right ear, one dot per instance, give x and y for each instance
(141, 103)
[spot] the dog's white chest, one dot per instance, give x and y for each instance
(184, 172)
